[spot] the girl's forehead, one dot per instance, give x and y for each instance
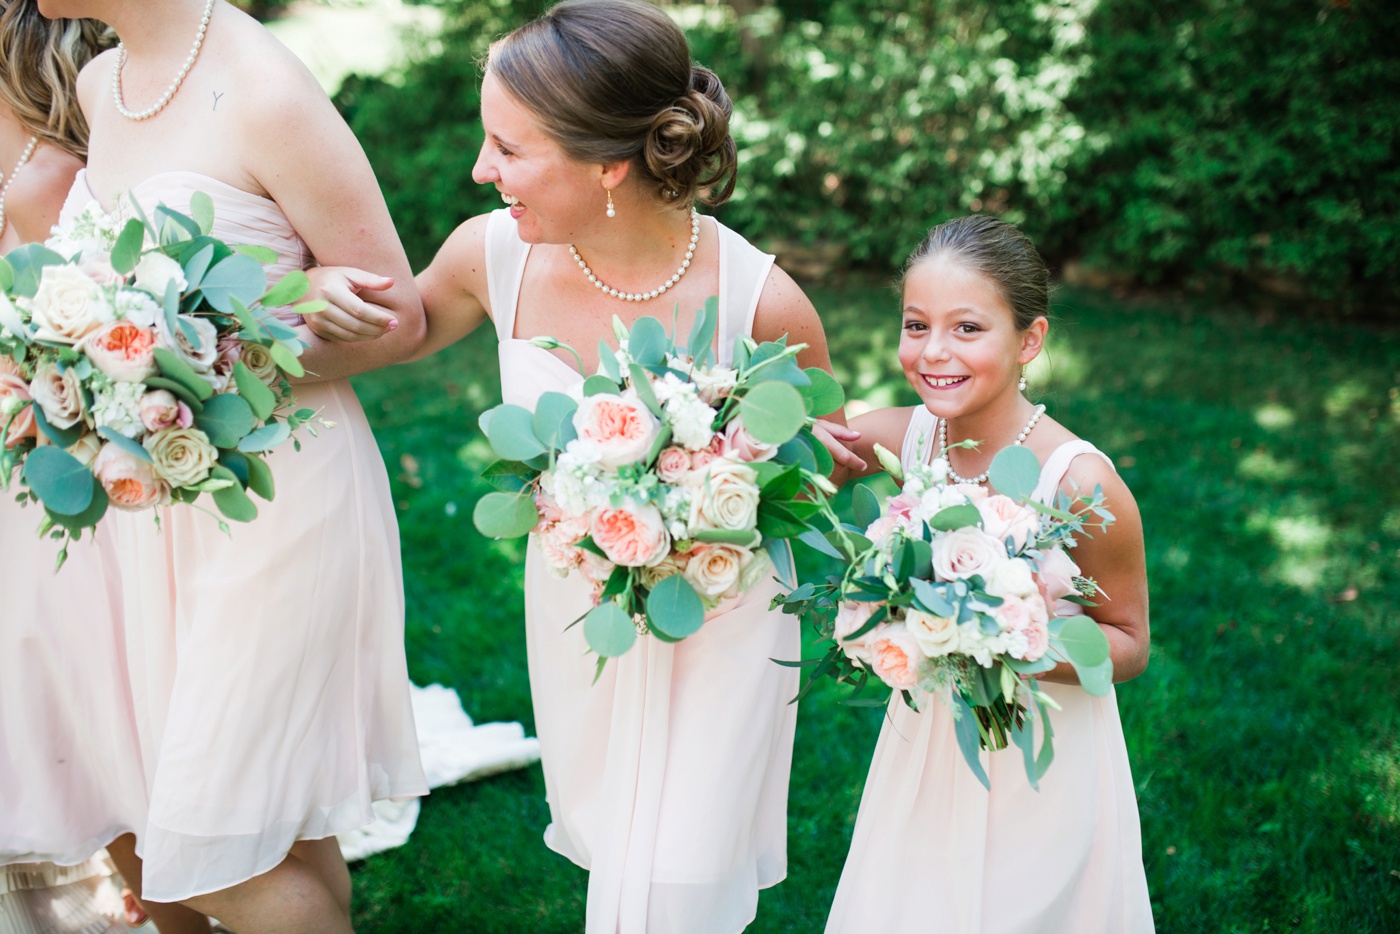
(943, 282)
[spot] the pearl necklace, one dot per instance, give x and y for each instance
(174, 85)
(4, 189)
(660, 289)
(982, 477)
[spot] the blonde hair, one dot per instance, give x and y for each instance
(612, 81)
(42, 59)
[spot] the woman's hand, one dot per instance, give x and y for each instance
(349, 319)
(836, 437)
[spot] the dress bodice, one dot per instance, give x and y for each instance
(528, 371)
(240, 217)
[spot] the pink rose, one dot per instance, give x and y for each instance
(13, 386)
(1037, 641)
(849, 619)
(736, 442)
(672, 465)
(620, 427)
(895, 658)
(557, 546)
(230, 351)
(964, 552)
(130, 483)
(974, 492)
(100, 270)
(160, 409)
(1003, 518)
(1014, 615)
(596, 568)
(702, 459)
(633, 535)
(1056, 575)
(122, 350)
(902, 506)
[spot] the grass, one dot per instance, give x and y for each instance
(1264, 737)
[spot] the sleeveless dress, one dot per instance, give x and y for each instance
(934, 851)
(41, 898)
(267, 665)
(668, 778)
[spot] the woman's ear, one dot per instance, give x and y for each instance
(614, 174)
(1033, 340)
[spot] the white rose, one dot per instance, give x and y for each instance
(715, 383)
(86, 448)
(201, 352)
(1011, 579)
(936, 635)
(726, 498)
(714, 569)
(258, 358)
(68, 305)
(156, 271)
(959, 554)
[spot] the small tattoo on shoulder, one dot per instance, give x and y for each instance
(217, 95)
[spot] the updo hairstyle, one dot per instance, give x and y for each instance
(42, 59)
(1000, 252)
(612, 81)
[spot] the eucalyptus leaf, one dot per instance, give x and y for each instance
(553, 423)
(90, 516)
(173, 368)
(509, 476)
(818, 542)
(956, 517)
(27, 262)
(232, 500)
(511, 432)
(780, 553)
(773, 412)
(262, 255)
(931, 599)
(822, 395)
(798, 452)
(236, 277)
(1015, 471)
(254, 391)
(1023, 735)
(642, 387)
(265, 438)
(775, 521)
(865, 505)
(647, 343)
(600, 385)
(607, 360)
(505, 515)
(126, 251)
(126, 444)
(202, 211)
(179, 390)
(198, 265)
(609, 630)
(674, 608)
(237, 464)
(59, 480)
(62, 437)
(1086, 647)
(260, 478)
(702, 333)
(285, 359)
(969, 739)
(288, 289)
(226, 420)
(7, 276)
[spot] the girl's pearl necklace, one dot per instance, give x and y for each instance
(982, 477)
(660, 289)
(5, 188)
(174, 85)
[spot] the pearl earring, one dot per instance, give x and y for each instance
(1021, 386)
(612, 211)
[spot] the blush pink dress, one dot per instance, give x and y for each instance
(69, 783)
(934, 851)
(267, 665)
(668, 778)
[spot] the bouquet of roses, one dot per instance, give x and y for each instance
(667, 480)
(952, 591)
(140, 365)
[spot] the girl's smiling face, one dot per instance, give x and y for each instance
(552, 196)
(960, 348)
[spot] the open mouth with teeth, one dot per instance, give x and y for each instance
(510, 199)
(944, 382)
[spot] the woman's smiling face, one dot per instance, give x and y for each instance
(959, 347)
(552, 196)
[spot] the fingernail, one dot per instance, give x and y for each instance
(393, 323)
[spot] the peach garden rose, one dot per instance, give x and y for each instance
(632, 535)
(621, 428)
(130, 482)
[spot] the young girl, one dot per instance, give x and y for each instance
(933, 850)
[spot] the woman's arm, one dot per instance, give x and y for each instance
(454, 287)
(885, 427)
(313, 167)
(784, 309)
(1115, 559)
(35, 199)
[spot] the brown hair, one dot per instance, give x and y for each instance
(999, 251)
(42, 59)
(612, 81)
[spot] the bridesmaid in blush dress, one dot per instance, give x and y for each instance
(68, 785)
(668, 778)
(934, 852)
(267, 666)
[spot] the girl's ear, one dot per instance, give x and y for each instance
(1033, 340)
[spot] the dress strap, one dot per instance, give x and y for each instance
(1057, 465)
(506, 254)
(918, 438)
(743, 271)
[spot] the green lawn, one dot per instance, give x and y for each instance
(1264, 737)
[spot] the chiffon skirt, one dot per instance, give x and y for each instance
(267, 664)
(667, 779)
(70, 781)
(934, 851)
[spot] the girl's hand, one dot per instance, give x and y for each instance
(836, 437)
(349, 319)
